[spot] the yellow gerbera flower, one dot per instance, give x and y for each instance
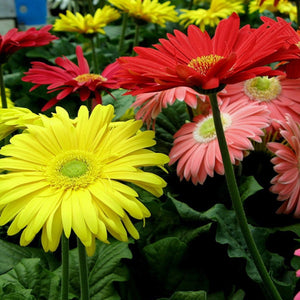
(66, 176)
(283, 6)
(14, 118)
(87, 24)
(219, 9)
(148, 10)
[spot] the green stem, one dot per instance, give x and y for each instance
(2, 88)
(124, 26)
(84, 282)
(237, 203)
(95, 60)
(91, 7)
(136, 37)
(65, 267)
(298, 12)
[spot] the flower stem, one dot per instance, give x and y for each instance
(124, 26)
(298, 12)
(95, 60)
(91, 7)
(2, 88)
(237, 203)
(84, 283)
(65, 267)
(136, 37)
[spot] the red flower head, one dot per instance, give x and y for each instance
(70, 78)
(205, 63)
(14, 40)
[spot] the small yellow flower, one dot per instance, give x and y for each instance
(148, 10)
(87, 24)
(65, 175)
(284, 7)
(219, 9)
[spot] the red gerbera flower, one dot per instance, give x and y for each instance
(14, 40)
(70, 78)
(205, 63)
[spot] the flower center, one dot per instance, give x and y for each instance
(73, 169)
(262, 88)
(205, 130)
(87, 77)
(203, 63)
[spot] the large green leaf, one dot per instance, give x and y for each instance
(187, 295)
(29, 278)
(11, 254)
(164, 258)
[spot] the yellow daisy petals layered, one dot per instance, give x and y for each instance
(65, 175)
(86, 24)
(148, 10)
(13, 118)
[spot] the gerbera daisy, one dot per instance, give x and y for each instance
(14, 40)
(70, 176)
(196, 60)
(286, 163)
(278, 94)
(151, 104)
(218, 10)
(70, 78)
(87, 24)
(148, 10)
(282, 6)
(14, 118)
(196, 146)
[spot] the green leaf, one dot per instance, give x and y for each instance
(121, 102)
(11, 254)
(248, 186)
(30, 278)
(164, 257)
(187, 295)
(185, 211)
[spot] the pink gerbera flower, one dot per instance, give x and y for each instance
(14, 40)
(70, 78)
(278, 94)
(151, 104)
(287, 182)
(196, 146)
(234, 54)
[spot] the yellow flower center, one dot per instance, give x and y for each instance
(262, 88)
(203, 63)
(87, 77)
(205, 130)
(73, 169)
